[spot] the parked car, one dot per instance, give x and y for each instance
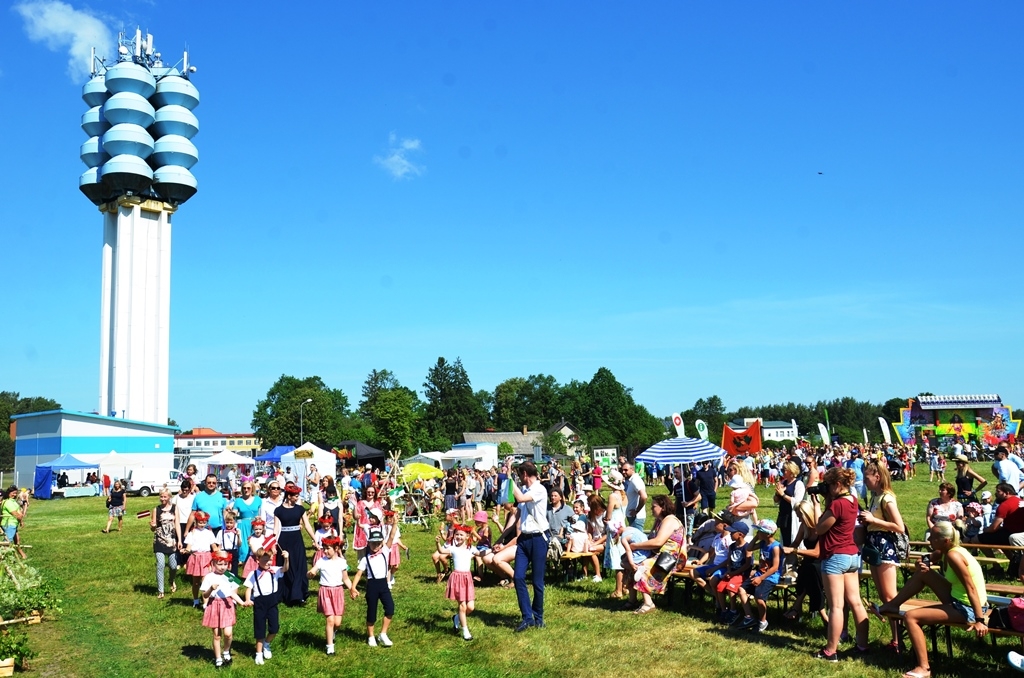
(146, 481)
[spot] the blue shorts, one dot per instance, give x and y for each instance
(10, 531)
(762, 590)
(709, 571)
(840, 563)
(967, 611)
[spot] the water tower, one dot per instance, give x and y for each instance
(139, 155)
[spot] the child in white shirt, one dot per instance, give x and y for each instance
(333, 571)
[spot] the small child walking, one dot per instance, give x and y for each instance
(229, 540)
(261, 591)
(325, 529)
(199, 544)
(333, 571)
(256, 539)
(375, 564)
(219, 598)
(391, 525)
(460, 583)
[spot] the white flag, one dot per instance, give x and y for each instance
(825, 439)
(885, 430)
(677, 421)
(702, 429)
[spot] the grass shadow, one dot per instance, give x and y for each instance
(197, 652)
(147, 589)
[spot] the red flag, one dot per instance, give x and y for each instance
(269, 543)
(142, 514)
(744, 443)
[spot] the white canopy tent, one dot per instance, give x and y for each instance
(303, 457)
(220, 460)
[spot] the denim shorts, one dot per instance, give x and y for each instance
(762, 590)
(967, 611)
(840, 563)
(10, 531)
(709, 571)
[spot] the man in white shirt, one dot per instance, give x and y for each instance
(1006, 470)
(532, 545)
(636, 497)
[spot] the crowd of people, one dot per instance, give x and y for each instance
(835, 514)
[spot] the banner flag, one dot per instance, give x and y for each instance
(885, 430)
(702, 429)
(825, 439)
(270, 542)
(746, 442)
(142, 514)
(677, 421)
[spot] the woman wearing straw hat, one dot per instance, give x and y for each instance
(965, 479)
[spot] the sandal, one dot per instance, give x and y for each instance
(105, 531)
(644, 609)
(912, 674)
(615, 595)
(792, 615)
(159, 596)
(174, 587)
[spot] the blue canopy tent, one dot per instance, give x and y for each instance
(276, 453)
(43, 481)
(682, 450)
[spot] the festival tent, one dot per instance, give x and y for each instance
(43, 481)
(362, 451)
(301, 458)
(276, 453)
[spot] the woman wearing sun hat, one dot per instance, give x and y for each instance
(965, 478)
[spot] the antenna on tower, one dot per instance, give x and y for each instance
(138, 43)
(149, 44)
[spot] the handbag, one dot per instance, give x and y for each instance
(665, 563)
(901, 540)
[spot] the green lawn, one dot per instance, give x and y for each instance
(113, 625)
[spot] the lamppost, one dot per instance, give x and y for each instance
(301, 405)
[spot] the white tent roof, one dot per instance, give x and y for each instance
(227, 459)
(311, 448)
(429, 458)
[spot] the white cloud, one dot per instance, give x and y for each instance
(61, 27)
(397, 162)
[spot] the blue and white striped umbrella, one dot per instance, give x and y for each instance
(681, 451)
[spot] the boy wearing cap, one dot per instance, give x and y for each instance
(709, 575)
(765, 578)
(737, 566)
(377, 568)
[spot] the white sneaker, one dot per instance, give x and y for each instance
(385, 641)
(371, 641)
(330, 649)
(267, 654)
(1016, 660)
(259, 659)
(227, 656)
(597, 579)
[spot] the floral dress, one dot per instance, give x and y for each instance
(645, 582)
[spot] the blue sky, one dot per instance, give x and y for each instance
(784, 202)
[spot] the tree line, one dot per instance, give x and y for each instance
(12, 404)
(392, 416)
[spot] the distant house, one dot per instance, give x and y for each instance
(522, 442)
(770, 430)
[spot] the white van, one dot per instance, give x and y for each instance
(146, 481)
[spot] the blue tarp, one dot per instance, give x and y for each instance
(43, 482)
(276, 453)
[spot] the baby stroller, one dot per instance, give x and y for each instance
(896, 469)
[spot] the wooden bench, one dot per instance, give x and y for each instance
(571, 564)
(994, 601)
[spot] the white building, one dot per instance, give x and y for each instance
(770, 430)
(44, 436)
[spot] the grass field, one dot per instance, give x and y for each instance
(113, 625)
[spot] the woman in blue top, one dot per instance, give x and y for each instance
(247, 507)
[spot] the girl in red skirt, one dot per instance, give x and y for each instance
(219, 598)
(333, 571)
(199, 544)
(460, 583)
(252, 563)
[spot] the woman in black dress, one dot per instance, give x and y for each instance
(290, 520)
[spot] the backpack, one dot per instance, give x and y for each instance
(1009, 618)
